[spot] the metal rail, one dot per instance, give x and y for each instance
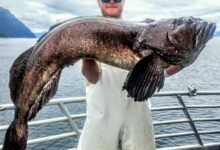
(192, 125)
(76, 132)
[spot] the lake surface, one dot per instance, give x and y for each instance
(204, 74)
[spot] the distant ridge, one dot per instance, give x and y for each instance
(39, 34)
(10, 26)
(217, 33)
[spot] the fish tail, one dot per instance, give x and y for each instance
(144, 79)
(16, 136)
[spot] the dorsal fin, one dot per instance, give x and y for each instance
(17, 71)
(46, 94)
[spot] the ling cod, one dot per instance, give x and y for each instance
(144, 48)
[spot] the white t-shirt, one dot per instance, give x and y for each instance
(115, 121)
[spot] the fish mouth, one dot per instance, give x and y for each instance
(205, 33)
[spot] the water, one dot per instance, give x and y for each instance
(203, 74)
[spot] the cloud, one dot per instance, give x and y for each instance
(74, 7)
(158, 9)
(40, 14)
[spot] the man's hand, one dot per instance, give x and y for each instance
(91, 70)
(172, 69)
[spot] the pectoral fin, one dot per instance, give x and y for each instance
(144, 79)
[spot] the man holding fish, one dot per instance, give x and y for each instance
(147, 50)
(114, 121)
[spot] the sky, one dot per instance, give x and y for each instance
(39, 15)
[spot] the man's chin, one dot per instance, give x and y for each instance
(112, 13)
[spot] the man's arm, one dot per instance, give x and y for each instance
(172, 69)
(91, 70)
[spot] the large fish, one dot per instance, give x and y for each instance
(35, 74)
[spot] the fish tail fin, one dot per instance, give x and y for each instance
(16, 136)
(144, 79)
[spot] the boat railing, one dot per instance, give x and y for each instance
(67, 116)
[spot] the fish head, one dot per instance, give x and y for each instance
(177, 41)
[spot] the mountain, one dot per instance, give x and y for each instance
(39, 34)
(10, 26)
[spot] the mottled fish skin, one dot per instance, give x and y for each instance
(111, 41)
(106, 39)
(180, 42)
(17, 74)
(175, 41)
